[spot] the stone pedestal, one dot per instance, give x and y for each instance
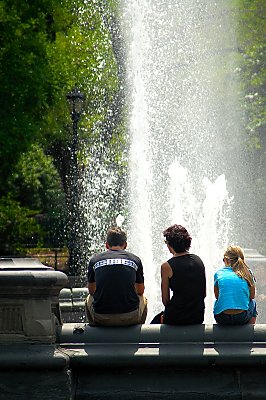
(29, 304)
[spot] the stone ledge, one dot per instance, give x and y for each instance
(157, 345)
(21, 357)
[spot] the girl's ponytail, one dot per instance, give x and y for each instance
(236, 257)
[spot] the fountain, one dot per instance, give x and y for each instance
(182, 90)
(182, 113)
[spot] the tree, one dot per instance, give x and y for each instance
(36, 182)
(17, 226)
(252, 46)
(25, 80)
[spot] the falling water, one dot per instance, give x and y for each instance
(182, 88)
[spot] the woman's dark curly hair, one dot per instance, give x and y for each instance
(178, 238)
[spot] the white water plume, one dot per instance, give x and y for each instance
(182, 117)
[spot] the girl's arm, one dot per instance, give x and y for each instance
(216, 292)
(252, 292)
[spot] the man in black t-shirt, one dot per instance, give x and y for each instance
(116, 285)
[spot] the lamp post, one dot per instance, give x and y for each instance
(75, 100)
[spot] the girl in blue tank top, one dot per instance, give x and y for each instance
(234, 289)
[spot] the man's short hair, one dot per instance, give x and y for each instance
(116, 237)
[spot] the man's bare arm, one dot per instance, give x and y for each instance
(91, 287)
(139, 288)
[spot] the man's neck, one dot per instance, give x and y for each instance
(117, 248)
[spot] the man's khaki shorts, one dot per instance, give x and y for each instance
(132, 318)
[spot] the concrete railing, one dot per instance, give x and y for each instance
(71, 302)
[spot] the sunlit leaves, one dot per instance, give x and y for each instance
(251, 38)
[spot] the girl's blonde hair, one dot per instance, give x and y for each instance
(235, 256)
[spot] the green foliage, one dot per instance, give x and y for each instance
(252, 50)
(24, 71)
(81, 55)
(36, 182)
(251, 38)
(46, 48)
(17, 226)
(34, 179)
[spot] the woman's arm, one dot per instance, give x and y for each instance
(166, 273)
(216, 292)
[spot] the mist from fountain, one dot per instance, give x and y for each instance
(182, 112)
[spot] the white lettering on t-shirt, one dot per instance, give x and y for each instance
(115, 261)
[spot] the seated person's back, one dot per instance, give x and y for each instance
(116, 284)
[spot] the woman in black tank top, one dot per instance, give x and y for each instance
(184, 275)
